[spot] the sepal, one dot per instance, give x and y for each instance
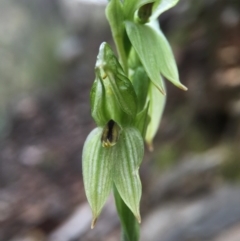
(112, 95)
(126, 170)
(156, 107)
(154, 52)
(97, 172)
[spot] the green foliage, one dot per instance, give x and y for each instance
(156, 107)
(128, 221)
(112, 95)
(127, 101)
(115, 16)
(142, 120)
(161, 6)
(126, 177)
(140, 83)
(118, 164)
(97, 162)
(154, 53)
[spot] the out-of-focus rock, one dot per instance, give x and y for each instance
(5, 210)
(106, 223)
(228, 55)
(232, 234)
(193, 174)
(230, 17)
(229, 78)
(26, 108)
(234, 108)
(76, 227)
(69, 50)
(32, 235)
(32, 155)
(194, 220)
(82, 15)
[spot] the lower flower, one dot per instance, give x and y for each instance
(116, 162)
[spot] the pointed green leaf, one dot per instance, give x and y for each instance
(115, 15)
(97, 171)
(161, 6)
(167, 63)
(126, 177)
(145, 43)
(157, 103)
(154, 53)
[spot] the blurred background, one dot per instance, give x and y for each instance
(191, 188)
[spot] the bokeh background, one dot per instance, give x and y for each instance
(191, 188)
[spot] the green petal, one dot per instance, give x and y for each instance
(124, 92)
(156, 107)
(97, 172)
(161, 6)
(144, 13)
(167, 63)
(128, 158)
(112, 96)
(155, 54)
(130, 6)
(145, 43)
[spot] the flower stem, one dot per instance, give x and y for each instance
(129, 224)
(121, 53)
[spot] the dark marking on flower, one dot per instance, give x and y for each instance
(104, 76)
(110, 134)
(145, 12)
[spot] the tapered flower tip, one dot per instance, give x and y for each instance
(182, 87)
(101, 55)
(105, 54)
(161, 90)
(150, 146)
(94, 220)
(138, 217)
(97, 176)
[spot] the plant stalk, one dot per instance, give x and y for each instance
(129, 224)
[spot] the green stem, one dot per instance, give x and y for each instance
(121, 53)
(130, 226)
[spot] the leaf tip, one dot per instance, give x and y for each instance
(137, 215)
(183, 87)
(139, 218)
(161, 90)
(150, 146)
(94, 220)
